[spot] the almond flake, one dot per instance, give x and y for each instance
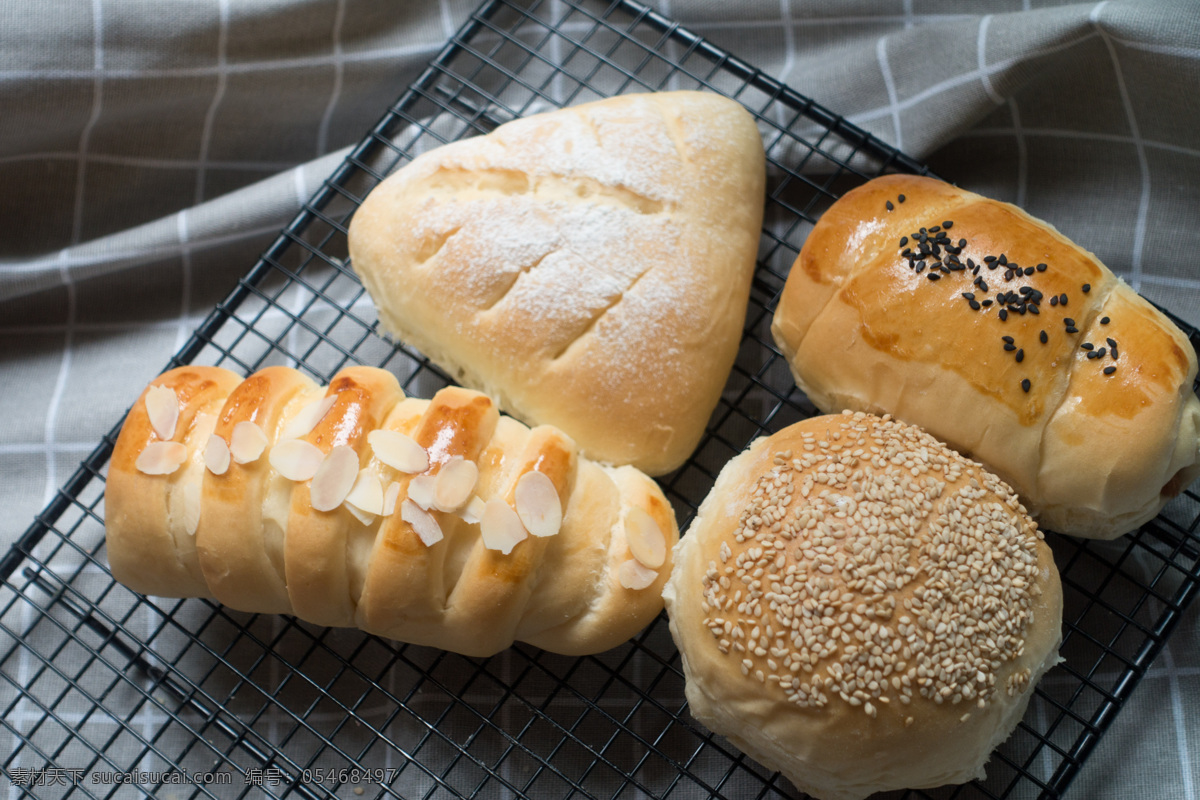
(634, 576)
(398, 451)
(216, 455)
(162, 407)
(390, 497)
(473, 512)
(645, 538)
(334, 479)
(247, 442)
(296, 459)
(191, 507)
(362, 516)
(307, 419)
(500, 526)
(421, 490)
(538, 504)
(455, 482)
(367, 493)
(423, 523)
(161, 458)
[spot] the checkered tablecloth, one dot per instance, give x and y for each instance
(149, 152)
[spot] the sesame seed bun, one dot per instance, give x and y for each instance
(862, 608)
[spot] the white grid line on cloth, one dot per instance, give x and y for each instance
(296, 287)
(136, 256)
(1139, 231)
(339, 69)
(93, 118)
(1163, 49)
(237, 68)
(21, 710)
(815, 22)
(1100, 137)
(556, 57)
(981, 54)
(908, 14)
(183, 329)
(218, 94)
(1039, 715)
(60, 383)
(966, 77)
(97, 327)
(890, 85)
(447, 19)
(789, 39)
(1166, 280)
(1178, 717)
(142, 162)
(1022, 152)
(28, 448)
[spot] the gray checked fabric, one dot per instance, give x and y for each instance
(150, 151)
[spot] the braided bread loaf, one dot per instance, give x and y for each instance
(436, 522)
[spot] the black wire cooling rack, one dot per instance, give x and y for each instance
(251, 706)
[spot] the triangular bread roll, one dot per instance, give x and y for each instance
(588, 267)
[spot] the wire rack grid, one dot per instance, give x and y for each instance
(111, 684)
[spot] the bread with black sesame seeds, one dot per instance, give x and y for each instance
(588, 267)
(861, 608)
(437, 522)
(1092, 451)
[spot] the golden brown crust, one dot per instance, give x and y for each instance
(589, 267)
(905, 608)
(265, 548)
(863, 329)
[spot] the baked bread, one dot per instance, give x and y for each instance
(437, 522)
(589, 267)
(1002, 338)
(861, 608)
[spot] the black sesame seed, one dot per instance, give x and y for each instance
(933, 276)
(1008, 348)
(982, 284)
(986, 303)
(1092, 355)
(1104, 320)
(889, 205)
(1109, 370)
(1087, 346)
(989, 259)
(1025, 289)
(934, 229)
(1003, 315)
(1025, 384)
(903, 241)
(1114, 352)
(974, 305)
(1070, 323)
(1041, 267)
(1062, 299)
(1111, 342)
(1008, 339)
(900, 198)
(961, 242)
(969, 295)
(947, 224)
(1103, 351)
(1033, 308)
(1029, 271)
(1042, 337)
(1002, 260)
(907, 252)
(1008, 275)
(1072, 329)
(1087, 287)
(1054, 300)
(1020, 355)
(920, 267)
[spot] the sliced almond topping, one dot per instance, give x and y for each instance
(455, 482)
(308, 418)
(500, 526)
(191, 506)
(421, 491)
(247, 442)
(367, 493)
(161, 458)
(645, 538)
(398, 451)
(216, 455)
(362, 516)
(334, 479)
(296, 459)
(162, 407)
(424, 523)
(473, 512)
(390, 497)
(538, 504)
(634, 576)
